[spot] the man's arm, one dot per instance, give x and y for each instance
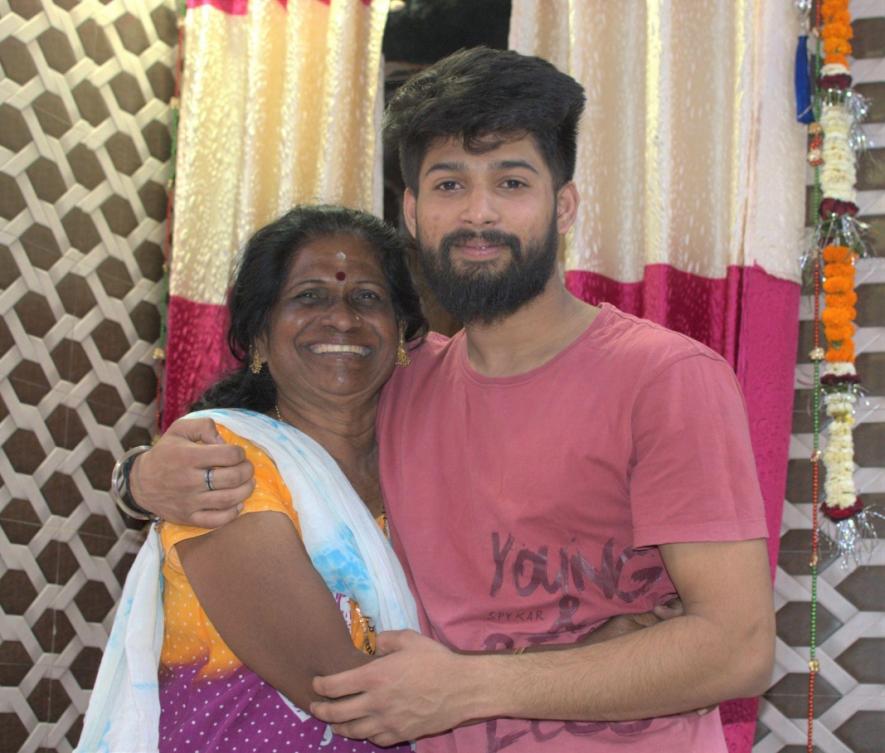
(721, 648)
(170, 479)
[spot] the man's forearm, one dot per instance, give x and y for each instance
(722, 647)
(673, 667)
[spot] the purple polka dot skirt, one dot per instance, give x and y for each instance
(240, 713)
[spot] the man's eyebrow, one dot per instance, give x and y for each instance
(513, 164)
(506, 164)
(445, 167)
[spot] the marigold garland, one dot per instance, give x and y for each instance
(835, 138)
(832, 151)
(836, 31)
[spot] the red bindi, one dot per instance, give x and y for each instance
(340, 276)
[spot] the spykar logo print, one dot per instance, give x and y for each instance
(579, 580)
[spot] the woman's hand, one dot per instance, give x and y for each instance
(623, 624)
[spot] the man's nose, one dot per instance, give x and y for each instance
(480, 207)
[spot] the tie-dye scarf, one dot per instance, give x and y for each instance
(340, 536)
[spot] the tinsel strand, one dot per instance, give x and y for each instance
(813, 664)
(817, 197)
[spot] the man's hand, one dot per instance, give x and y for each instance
(416, 687)
(170, 479)
(410, 691)
(413, 688)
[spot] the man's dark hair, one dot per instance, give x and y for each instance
(262, 272)
(480, 93)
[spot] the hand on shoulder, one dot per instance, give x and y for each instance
(170, 480)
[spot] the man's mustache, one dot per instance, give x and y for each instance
(492, 237)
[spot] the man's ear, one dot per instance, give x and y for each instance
(567, 201)
(410, 208)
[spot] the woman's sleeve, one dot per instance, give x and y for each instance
(270, 495)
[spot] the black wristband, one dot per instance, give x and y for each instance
(121, 491)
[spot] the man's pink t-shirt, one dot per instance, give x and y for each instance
(527, 509)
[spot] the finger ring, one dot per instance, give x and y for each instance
(209, 472)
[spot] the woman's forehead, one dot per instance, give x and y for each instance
(335, 255)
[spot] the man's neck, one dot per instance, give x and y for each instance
(530, 336)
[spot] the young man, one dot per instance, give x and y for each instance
(552, 465)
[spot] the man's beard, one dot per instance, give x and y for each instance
(476, 294)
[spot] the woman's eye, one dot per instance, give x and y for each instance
(308, 296)
(367, 296)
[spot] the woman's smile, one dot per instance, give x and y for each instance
(336, 309)
(339, 349)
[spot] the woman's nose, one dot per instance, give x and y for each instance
(341, 314)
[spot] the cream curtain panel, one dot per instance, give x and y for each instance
(281, 105)
(689, 153)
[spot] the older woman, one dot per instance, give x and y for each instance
(320, 314)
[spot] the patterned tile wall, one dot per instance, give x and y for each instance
(84, 150)
(84, 158)
(850, 705)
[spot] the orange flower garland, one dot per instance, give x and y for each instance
(833, 155)
(836, 137)
(836, 32)
(839, 312)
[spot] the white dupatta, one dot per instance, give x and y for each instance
(340, 536)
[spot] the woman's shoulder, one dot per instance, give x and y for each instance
(269, 495)
(266, 474)
(251, 449)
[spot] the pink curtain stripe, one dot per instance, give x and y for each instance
(768, 340)
(692, 304)
(231, 7)
(196, 356)
(241, 7)
(751, 319)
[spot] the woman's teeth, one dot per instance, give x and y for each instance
(331, 348)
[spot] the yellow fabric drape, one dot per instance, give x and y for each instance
(689, 153)
(279, 106)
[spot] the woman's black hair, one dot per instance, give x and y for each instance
(263, 270)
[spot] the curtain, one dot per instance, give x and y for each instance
(280, 105)
(691, 170)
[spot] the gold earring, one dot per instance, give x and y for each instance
(256, 364)
(402, 357)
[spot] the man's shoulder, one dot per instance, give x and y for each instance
(636, 343)
(426, 359)
(431, 352)
(433, 344)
